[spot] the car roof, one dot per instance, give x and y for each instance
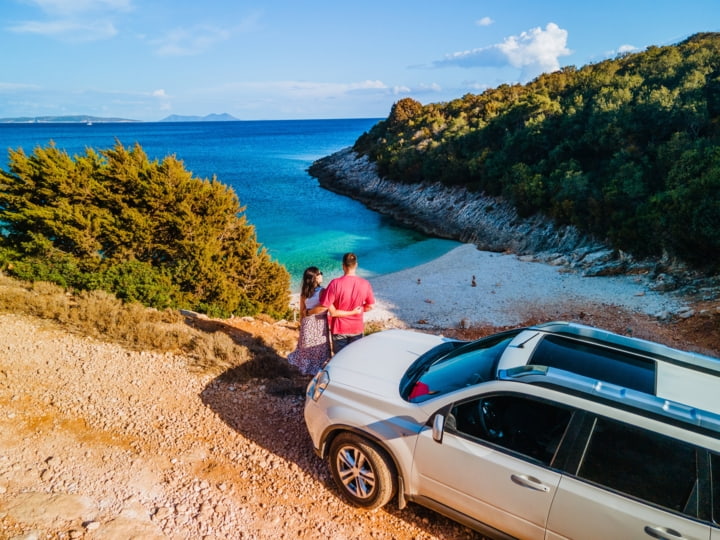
(626, 398)
(692, 360)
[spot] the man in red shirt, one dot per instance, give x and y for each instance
(348, 293)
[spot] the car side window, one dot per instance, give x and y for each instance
(715, 465)
(643, 464)
(530, 427)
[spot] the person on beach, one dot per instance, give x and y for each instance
(314, 346)
(347, 294)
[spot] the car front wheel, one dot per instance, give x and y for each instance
(362, 471)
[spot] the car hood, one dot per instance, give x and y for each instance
(376, 363)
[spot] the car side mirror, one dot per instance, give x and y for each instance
(438, 427)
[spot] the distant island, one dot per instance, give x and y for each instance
(85, 119)
(224, 117)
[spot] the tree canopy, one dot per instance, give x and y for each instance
(627, 150)
(147, 231)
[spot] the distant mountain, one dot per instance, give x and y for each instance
(74, 119)
(224, 117)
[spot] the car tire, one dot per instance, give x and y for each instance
(363, 472)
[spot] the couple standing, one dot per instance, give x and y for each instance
(342, 305)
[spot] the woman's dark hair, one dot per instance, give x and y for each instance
(308, 281)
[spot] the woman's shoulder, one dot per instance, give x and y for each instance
(317, 292)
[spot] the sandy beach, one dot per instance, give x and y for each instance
(506, 291)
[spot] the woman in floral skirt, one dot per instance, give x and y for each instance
(313, 348)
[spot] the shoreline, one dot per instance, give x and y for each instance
(507, 291)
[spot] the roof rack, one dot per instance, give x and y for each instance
(600, 390)
(657, 351)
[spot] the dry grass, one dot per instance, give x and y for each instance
(101, 315)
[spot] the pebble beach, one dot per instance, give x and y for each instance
(469, 287)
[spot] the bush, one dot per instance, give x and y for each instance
(145, 231)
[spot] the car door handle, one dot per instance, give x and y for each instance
(663, 533)
(529, 482)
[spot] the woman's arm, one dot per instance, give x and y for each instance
(317, 309)
(334, 312)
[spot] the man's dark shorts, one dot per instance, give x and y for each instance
(340, 341)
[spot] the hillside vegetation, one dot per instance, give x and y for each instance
(627, 150)
(146, 231)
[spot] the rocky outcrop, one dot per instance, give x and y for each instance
(452, 212)
(491, 224)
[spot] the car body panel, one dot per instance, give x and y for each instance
(376, 363)
(583, 510)
(520, 349)
(691, 387)
(370, 367)
(485, 484)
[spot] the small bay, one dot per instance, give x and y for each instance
(265, 162)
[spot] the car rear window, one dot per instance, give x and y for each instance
(601, 363)
(470, 364)
(643, 464)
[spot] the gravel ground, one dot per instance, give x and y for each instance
(100, 442)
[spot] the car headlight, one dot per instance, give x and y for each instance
(318, 385)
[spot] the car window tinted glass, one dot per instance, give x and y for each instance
(600, 363)
(715, 464)
(471, 364)
(652, 467)
(530, 427)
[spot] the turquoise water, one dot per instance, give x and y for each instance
(266, 164)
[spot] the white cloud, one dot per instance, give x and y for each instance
(201, 38)
(17, 87)
(70, 30)
(533, 52)
(160, 93)
(74, 20)
(627, 49)
(485, 21)
(190, 42)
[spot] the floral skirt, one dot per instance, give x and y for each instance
(313, 348)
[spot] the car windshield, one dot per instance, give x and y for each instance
(434, 374)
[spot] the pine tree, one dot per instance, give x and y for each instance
(145, 230)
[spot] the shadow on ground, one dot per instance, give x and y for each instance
(270, 413)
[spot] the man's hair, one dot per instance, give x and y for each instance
(350, 260)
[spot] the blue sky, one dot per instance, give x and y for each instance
(272, 59)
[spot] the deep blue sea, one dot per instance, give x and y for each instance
(265, 162)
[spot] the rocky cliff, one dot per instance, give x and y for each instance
(452, 212)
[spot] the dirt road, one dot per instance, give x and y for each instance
(100, 442)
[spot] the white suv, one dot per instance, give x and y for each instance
(483, 434)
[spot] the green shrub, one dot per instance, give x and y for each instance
(146, 231)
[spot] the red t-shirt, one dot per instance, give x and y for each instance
(346, 293)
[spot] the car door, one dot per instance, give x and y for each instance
(715, 469)
(632, 483)
(492, 462)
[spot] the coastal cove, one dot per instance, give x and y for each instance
(265, 162)
(507, 267)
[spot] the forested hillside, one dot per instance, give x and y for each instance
(627, 150)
